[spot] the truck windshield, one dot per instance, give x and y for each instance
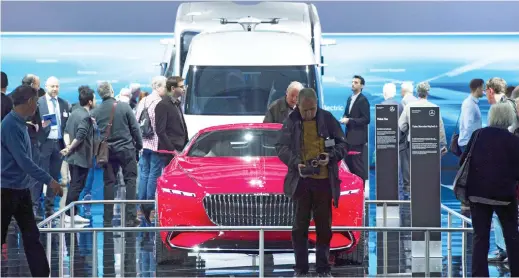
(241, 90)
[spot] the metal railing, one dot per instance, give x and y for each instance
(261, 229)
(465, 222)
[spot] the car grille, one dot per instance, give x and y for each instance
(249, 209)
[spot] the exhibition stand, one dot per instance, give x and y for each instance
(386, 175)
(425, 188)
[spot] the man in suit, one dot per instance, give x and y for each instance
(52, 142)
(356, 118)
(170, 124)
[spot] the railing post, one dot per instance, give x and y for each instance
(449, 245)
(123, 215)
(72, 214)
(463, 251)
(261, 253)
(49, 246)
(427, 254)
(385, 255)
(61, 246)
(94, 254)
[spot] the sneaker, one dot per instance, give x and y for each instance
(302, 274)
(498, 257)
(324, 274)
(86, 207)
(77, 219)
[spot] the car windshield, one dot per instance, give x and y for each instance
(240, 90)
(235, 143)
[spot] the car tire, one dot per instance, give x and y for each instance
(164, 255)
(358, 255)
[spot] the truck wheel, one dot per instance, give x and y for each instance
(163, 255)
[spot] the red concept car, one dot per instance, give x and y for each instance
(230, 175)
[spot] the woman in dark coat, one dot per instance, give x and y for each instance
(491, 187)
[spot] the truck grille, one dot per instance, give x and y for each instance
(249, 209)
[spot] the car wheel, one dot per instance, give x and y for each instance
(355, 257)
(164, 255)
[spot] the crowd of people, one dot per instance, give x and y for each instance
(50, 142)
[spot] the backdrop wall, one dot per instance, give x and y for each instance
(447, 61)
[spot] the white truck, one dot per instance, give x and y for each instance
(238, 58)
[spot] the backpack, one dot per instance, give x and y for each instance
(145, 124)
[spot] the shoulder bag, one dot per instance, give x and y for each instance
(101, 150)
(454, 147)
(460, 181)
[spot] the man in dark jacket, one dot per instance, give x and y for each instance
(7, 103)
(356, 118)
(311, 135)
(169, 120)
(124, 140)
(279, 109)
(78, 155)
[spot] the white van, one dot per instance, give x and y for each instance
(238, 58)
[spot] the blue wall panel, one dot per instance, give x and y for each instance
(447, 61)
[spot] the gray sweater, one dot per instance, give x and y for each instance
(125, 133)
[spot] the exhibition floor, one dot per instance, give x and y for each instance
(132, 254)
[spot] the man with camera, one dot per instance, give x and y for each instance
(311, 144)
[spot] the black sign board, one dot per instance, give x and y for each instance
(386, 151)
(425, 178)
(386, 176)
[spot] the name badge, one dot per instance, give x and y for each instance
(65, 114)
(329, 143)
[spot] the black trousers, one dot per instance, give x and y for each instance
(126, 161)
(50, 162)
(312, 197)
(481, 221)
(78, 177)
(405, 167)
(358, 162)
(18, 203)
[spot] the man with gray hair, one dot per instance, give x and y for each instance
(422, 89)
(280, 108)
(124, 139)
(150, 162)
(35, 129)
(313, 189)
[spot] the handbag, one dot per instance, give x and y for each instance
(101, 150)
(460, 181)
(454, 147)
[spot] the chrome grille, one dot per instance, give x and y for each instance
(249, 209)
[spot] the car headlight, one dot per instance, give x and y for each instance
(178, 192)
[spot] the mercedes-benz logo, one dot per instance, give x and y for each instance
(432, 112)
(392, 109)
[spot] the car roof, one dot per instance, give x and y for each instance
(241, 126)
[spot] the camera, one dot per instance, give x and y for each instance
(311, 167)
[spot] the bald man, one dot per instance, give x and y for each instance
(52, 142)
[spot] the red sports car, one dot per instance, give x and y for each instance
(230, 175)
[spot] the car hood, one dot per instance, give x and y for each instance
(235, 175)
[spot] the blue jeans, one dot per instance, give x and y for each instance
(498, 234)
(150, 168)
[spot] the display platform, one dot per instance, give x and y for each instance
(134, 256)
